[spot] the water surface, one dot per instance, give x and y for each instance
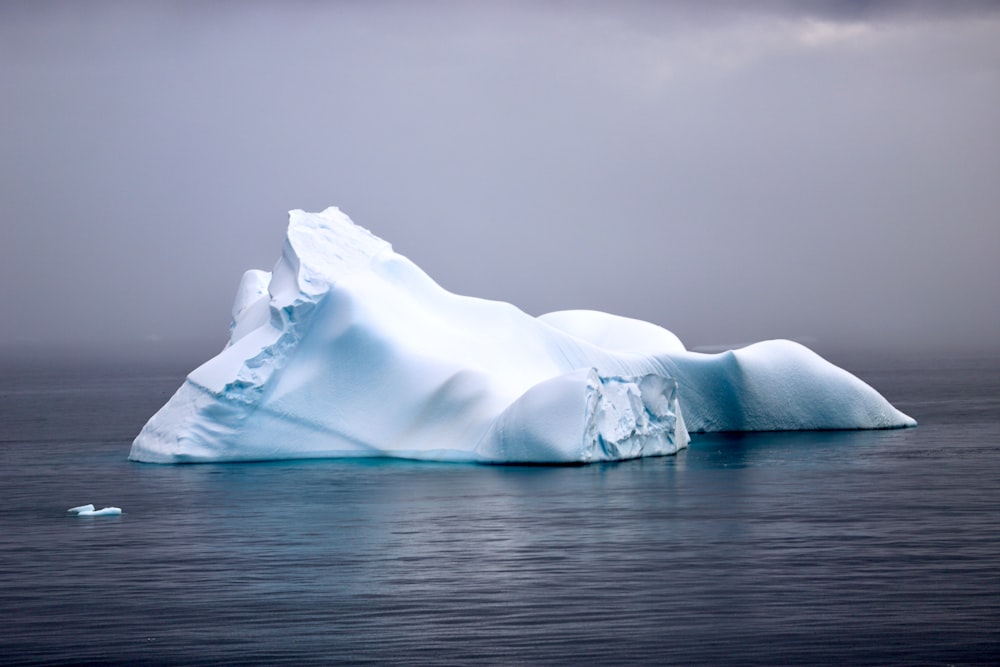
(798, 548)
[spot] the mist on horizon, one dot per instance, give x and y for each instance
(824, 172)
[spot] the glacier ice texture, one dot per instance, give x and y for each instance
(348, 349)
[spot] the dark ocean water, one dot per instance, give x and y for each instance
(801, 548)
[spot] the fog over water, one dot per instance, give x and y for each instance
(821, 171)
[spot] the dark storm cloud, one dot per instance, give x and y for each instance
(821, 170)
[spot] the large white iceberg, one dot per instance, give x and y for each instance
(348, 349)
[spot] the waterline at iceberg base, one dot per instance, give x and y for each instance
(348, 349)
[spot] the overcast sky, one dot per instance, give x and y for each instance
(828, 171)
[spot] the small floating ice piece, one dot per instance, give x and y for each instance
(88, 510)
(104, 511)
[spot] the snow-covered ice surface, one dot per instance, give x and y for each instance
(348, 349)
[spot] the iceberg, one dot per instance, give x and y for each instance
(348, 349)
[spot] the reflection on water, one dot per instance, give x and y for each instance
(795, 548)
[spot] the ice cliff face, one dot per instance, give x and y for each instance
(348, 349)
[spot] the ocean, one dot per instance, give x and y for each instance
(865, 547)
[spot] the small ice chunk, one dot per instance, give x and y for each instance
(104, 511)
(81, 508)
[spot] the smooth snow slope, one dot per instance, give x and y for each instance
(349, 349)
